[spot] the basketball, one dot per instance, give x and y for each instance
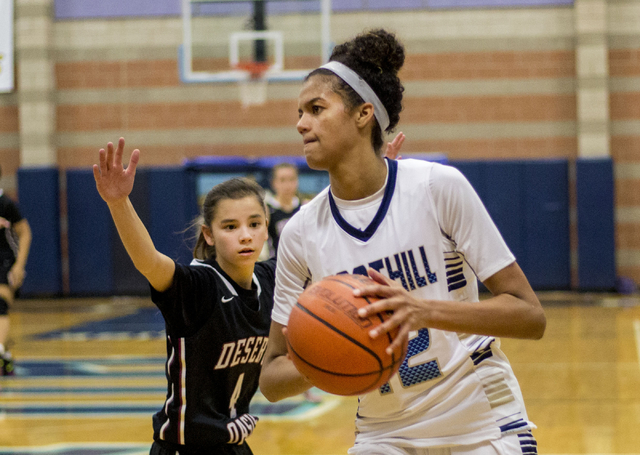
(330, 344)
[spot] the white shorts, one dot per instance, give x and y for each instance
(512, 444)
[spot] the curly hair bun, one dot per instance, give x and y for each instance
(376, 49)
(377, 56)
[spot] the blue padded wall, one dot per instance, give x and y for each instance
(165, 200)
(503, 197)
(173, 206)
(40, 205)
(126, 278)
(529, 202)
(546, 218)
(596, 225)
(90, 236)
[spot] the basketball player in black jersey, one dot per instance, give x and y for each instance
(217, 310)
(15, 241)
(284, 203)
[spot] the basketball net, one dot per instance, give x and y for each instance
(253, 90)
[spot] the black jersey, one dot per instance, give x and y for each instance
(217, 335)
(10, 215)
(278, 217)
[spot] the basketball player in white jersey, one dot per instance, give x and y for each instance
(419, 230)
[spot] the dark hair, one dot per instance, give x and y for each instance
(376, 56)
(236, 188)
(283, 165)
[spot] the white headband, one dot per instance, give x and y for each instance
(362, 88)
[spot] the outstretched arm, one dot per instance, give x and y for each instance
(114, 183)
(279, 379)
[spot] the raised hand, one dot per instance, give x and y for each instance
(113, 181)
(393, 147)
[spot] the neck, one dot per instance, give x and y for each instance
(358, 178)
(286, 202)
(242, 276)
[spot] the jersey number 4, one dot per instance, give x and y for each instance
(234, 397)
(416, 374)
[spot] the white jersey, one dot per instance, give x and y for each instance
(428, 230)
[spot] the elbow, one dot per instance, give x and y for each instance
(271, 398)
(539, 326)
(268, 392)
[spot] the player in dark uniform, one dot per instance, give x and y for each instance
(217, 310)
(284, 203)
(15, 241)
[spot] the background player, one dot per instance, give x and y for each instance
(216, 311)
(421, 225)
(15, 241)
(284, 203)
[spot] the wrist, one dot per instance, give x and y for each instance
(118, 203)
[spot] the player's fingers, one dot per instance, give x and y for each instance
(102, 161)
(119, 152)
(379, 306)
(96, 172)
(379, 277)
(133, 162)
(389, 325)
(390, 152)
(109, 159)
(401, 338)
(378, 290)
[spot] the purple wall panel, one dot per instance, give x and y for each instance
(276, 7)
(452, 4)
(395, 4)
(83, 9)
(348, 5)
(221, 9)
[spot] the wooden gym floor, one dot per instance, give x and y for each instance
(90, 375)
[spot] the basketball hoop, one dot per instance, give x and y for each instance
(253, 90)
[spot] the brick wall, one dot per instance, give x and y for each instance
(624, 72)
(472, 94)
(9, 142)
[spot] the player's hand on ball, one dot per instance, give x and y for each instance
(409, 313)
(113, 181)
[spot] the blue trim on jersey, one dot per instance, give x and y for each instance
(382, 210)
(482, 353)
(510, 427)
(528, 443)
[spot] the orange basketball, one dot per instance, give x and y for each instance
(330, 344)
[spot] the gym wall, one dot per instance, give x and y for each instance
(491, 86)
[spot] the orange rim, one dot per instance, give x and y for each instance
(255, 69)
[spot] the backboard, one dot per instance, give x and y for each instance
(225, 40)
